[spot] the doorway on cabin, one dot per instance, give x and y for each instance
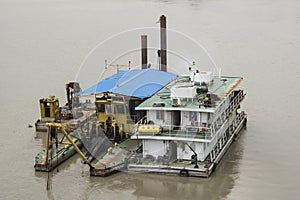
(176, 119)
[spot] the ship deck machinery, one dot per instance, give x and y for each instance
(189, 125)
(58, 149)
(71, 115)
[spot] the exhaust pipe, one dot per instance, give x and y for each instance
(163, 43)
(144, 51)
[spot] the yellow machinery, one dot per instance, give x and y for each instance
(70, 142)
(50, 110)
(149, 129)
(115, 115)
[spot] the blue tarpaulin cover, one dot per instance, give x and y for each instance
(141, 83)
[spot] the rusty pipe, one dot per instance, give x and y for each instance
(144, 51)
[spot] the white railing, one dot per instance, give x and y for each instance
(238, 119)
(178, 131)
(142, 121)
(188, 131)
(235, 102)
(226, 113)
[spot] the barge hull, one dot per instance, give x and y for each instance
(57, 159)
(189, 171)
(117, 160)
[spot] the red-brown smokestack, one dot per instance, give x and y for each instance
(144, 51)
(163, 43)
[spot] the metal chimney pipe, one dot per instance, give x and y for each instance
(144, 51)
(163, 43)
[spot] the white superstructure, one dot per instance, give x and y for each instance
(192, 119)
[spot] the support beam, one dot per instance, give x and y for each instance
(47, 145)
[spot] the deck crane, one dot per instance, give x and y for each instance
(67, 136)
(194, 157)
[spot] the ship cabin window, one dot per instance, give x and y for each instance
(47, 109)
(109, 109)
(117, 99)
(193, 117)
(160, 114)
(120, 109)
(100, 107)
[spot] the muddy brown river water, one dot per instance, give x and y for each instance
(43, 44)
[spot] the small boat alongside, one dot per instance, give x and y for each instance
(57, 150)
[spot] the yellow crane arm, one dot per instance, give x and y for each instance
(71, 141)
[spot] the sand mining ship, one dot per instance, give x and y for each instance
(150, 120)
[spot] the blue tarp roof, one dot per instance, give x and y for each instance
(136, 83)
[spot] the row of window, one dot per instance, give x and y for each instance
(111, 109)
(193, 116)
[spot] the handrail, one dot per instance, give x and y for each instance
(181, 131)
(188, 131)
(233, 105)
(143, 119)
(208, 131)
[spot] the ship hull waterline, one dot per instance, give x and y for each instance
(56, 159)
(190, 171)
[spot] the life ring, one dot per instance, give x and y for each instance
(184, 172)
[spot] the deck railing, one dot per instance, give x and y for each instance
(235, 102)
(190, 131)
(196, 132)
(177, 131)
(142, 121)
(187, 131)
(239, 117)
(227, 112)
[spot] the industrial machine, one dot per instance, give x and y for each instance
(116, 115)
(49, 108)
(50, 112)
(69, 110)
